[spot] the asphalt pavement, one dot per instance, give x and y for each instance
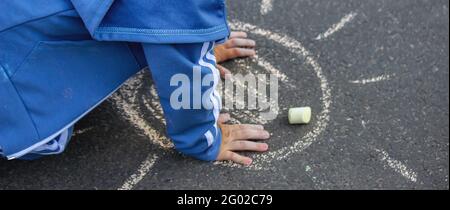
(376, 74)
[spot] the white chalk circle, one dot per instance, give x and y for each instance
(262, 161)
(131, 106)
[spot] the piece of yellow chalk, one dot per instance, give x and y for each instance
(299, 115)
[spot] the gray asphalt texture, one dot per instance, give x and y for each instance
(406, 116)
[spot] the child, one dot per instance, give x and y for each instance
(60, 59)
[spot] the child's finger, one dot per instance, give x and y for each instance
(240, 52)
(235, 157)
(223, 71)
(246, 126)
(248, 146)
(238, 42)
(238, 34)
(223, 118)
(250, 133)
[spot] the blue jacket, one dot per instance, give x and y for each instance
(59, 59)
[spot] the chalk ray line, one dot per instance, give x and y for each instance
(142, 171)
(372, 80)
(81, 131)
(338, 26)
(266, 6)
(396, 165)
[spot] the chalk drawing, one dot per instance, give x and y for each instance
(372, 80)
(397, 166)
(81, 131)
(338, 26)
(264, 160)
(266, 6)
(142, 171)
(131, 113)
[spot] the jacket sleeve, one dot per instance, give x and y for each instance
(154, 21)
(186, 78)
(92, 12)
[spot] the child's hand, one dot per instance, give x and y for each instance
(237, 46)
(239, 138)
